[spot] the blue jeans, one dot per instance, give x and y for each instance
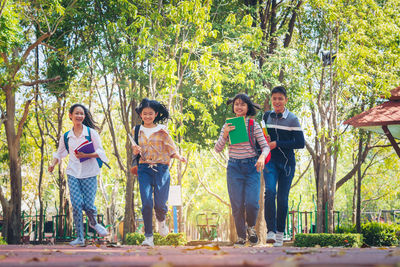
(244, 192)
(82, 193)
(153, 178)
(283, 175)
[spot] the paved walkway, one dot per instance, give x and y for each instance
(206, 255)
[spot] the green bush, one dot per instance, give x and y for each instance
(134, 239)
(380, 234)
(2, 241)
(324, 240)
(177, 239)
(169, 240)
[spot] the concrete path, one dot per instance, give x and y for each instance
(206, 255)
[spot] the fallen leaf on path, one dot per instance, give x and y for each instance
(36, 259)
(95, 258)
(2, 257)
(216, 247)
(47, 252)
(113, 246)
(221, 252)
(153, 253)
(162, 264)
(394, 253)
(338, 253)
(68, 252)
(298, 252)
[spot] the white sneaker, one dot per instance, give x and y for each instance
(163, 229)
(148, 241)
(77, 242)
(279, 239)
(271, 237)
(101, 231)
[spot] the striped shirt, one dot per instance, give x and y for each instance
(243, 150)
(157, 148)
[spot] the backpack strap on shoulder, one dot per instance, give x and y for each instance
(137, 128)
(66, 141)
(251, 133)
(89, 137)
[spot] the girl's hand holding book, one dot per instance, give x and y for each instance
(229, 127)
(81, 155)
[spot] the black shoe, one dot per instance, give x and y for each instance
(253, 238)
(240, 242)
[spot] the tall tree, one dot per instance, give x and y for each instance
(21, 18)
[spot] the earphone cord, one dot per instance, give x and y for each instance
(287, 160)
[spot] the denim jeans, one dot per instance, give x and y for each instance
(274, 173)
(244, 192)
(82, 193)
(153, 178)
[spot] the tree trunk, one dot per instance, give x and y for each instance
(260, 224)
(14, 222)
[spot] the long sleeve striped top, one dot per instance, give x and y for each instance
(243, 150)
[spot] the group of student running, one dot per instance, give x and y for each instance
(156, 148)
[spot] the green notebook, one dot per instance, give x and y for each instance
(239, 135)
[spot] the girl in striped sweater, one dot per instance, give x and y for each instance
(243, 171)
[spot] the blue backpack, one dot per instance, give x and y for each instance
(99, 161)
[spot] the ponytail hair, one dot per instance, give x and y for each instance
(251, 110)
(88, 121)
(159, 108)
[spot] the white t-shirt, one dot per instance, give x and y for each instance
(149, 131)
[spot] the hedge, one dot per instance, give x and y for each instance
(324, 240)
(171, 239)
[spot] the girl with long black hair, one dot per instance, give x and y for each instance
(156, 148)
(82, 176)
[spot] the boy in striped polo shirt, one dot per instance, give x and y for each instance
(285, 135)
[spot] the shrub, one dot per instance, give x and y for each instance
(381, 234)
(134, 238)
(2, 241)
(324, 240)
(177, 239)
(158, 239)
(169, 240)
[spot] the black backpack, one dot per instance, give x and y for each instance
(136, 138)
